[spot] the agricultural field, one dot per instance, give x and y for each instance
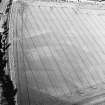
(59, 53)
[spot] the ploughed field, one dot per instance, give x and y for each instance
(59, 53)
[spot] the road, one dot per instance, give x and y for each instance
(59, 53)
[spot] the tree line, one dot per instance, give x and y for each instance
(6, 84)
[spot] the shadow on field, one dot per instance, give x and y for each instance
(40, 98)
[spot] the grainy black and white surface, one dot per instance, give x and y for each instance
(59, 52)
